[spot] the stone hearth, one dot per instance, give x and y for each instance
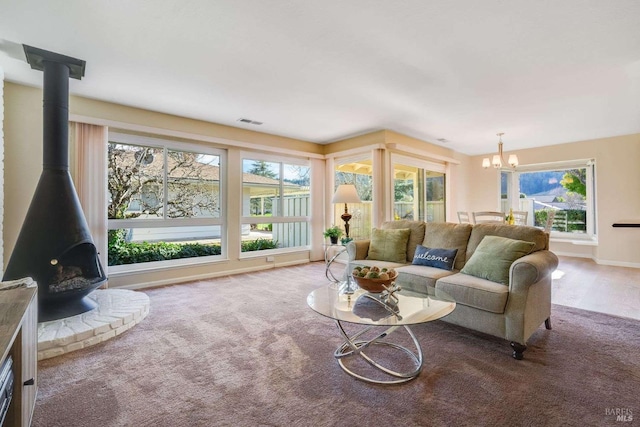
(118, 310)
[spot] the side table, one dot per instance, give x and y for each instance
(329, 258)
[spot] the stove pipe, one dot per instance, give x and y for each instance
(54, 246)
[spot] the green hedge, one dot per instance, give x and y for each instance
(131, 253)
(259, 244)
(123, 252)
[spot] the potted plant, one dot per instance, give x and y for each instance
(333, 233)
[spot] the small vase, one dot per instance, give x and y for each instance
(334, 240)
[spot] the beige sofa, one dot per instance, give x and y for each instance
(510, 311)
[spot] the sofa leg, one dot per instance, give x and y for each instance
(547, 323)
(518, 349)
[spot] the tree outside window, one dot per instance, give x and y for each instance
(563, 191)
(145, 207)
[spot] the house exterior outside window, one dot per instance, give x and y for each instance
(276, 203)
(418, 189)
(165, 201)
(356, 170)
(565, 188)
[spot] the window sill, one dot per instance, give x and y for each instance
(270, 252)
(146, 267)
(585, 241)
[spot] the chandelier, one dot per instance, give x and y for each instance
(498, 159)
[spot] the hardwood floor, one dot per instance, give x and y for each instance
(581, 283)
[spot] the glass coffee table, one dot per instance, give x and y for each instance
(380, 320)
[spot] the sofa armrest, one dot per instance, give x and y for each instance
(358, 249)
(531, 269)
(529, 302)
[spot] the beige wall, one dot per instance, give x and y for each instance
(124, 114)
(470, 186)
(23, 148)
(373, 138)
(385, 137)
(617, 192)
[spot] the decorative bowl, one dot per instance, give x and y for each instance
(373, 285)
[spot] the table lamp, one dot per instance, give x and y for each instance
(346, 193)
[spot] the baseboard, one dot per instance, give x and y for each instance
(291, 263)
(570, 254)
(617, 263)
(212, 275)
(600, 261)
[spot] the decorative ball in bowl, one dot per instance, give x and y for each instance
(373, 279)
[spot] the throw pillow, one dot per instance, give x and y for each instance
(493, 258)
(389, 245)
(448, 235)
(438, 258)
(416, 235)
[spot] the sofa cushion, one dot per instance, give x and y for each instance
(389, 245)
(418, 278)
(493, 257)
(415, 238)
(434, 257)
(448, 235)
(475, 292)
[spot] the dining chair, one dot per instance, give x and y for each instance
(488, 217)
(463, 217)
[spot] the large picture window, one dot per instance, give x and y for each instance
(564, 190)
(164, 200)
(276, 205)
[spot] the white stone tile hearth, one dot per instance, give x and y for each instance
(117, 311)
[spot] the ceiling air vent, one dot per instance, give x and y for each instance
(249, 121)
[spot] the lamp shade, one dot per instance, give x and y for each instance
(346, 193)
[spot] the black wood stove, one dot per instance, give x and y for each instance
(54, 246)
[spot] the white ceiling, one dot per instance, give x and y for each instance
(544, 72)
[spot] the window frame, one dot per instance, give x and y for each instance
(591, 211)
(167, 144)
(419, 163)
(336, 211)
(280, 218)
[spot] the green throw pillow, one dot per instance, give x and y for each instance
(389, 245)
(493, 258)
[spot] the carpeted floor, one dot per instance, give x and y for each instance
(246, 350)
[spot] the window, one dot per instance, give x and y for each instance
(357, 171)
(418, 190)
(164, 200)
(566, 188)
(275, 203)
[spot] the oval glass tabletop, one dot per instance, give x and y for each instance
(366, 308)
